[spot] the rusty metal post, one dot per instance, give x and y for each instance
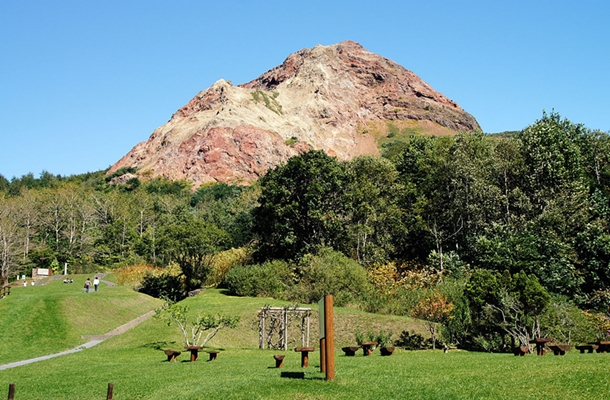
(110, 390)
(323, 355)
(11, 391)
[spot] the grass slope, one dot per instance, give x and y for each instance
(139, 370)
(41, 320)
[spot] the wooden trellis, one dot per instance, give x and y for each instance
(273, 323)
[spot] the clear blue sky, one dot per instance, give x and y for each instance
(82, 82)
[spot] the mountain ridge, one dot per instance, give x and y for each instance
(319, 98)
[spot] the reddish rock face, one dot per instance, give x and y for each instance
(319, 98)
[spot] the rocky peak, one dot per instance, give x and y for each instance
(318, 98)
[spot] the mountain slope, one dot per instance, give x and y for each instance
(320, 98)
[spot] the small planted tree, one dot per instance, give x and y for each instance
(434, 308)
(193, 330)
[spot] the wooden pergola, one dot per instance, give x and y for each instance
(273, 323)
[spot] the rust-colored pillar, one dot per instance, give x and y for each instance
(329, 337)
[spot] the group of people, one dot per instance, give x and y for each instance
(96, 284)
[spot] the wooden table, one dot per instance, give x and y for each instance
(367, 347)
(194, 352)
(304, 355)
(540, 344)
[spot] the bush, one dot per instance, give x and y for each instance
(133, 275)
(224, 261)
(269, 279)
(413, 341)
(566, 323)
(167, 283)
(330, 273)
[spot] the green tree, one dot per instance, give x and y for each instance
(192, 244)
(373, 213)
(301, 207)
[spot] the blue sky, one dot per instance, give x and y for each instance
(83, 82)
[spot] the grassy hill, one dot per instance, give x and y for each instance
(138, 369)
(46, 319)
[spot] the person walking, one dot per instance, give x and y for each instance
(87, 285)
(96, 283)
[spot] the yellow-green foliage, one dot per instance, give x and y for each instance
(132, 275)
(224, 261)
(389, 277)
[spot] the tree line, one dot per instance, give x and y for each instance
(526, 210)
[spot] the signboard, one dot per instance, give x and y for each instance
(321, 318)
(42, 271)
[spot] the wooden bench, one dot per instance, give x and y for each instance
(350, 351)
(521, 350)
(387, 351)
(279, 360)
(213, 354)
(559, 349)
(5, 291)
(171, 355)
(587, 347)
(304, 355)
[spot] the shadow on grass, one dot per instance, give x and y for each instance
(158, 345)
(299, 375)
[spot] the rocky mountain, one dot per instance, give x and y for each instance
(336, 98)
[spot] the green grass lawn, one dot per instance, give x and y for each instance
(40, 320)
(139, 369)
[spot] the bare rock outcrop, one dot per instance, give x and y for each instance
(319, 98)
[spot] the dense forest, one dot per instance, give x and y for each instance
(495, 238)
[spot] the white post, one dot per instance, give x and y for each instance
(65, 268)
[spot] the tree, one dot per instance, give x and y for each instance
(511, 303)
(192, 244)
(371, 205)
(9, 237)
(301, 207)
(434, 307)
(193, 329)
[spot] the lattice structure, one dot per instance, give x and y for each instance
(273, 324)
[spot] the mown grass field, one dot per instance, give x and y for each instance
(139, 369)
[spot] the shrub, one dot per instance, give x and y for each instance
(269, 279)
(167, 283)
(133, 275)
(330, 273)
(224, 262)
(413, 341)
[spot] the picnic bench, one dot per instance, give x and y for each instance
(602, 346)
(387, 351)
(350, 351)
(194, 352)
(587, 347)
(213, 354)
(304, 355)
(559, 349)
(171, 354)
(367, 347)
(540, 345)
(279, 360)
